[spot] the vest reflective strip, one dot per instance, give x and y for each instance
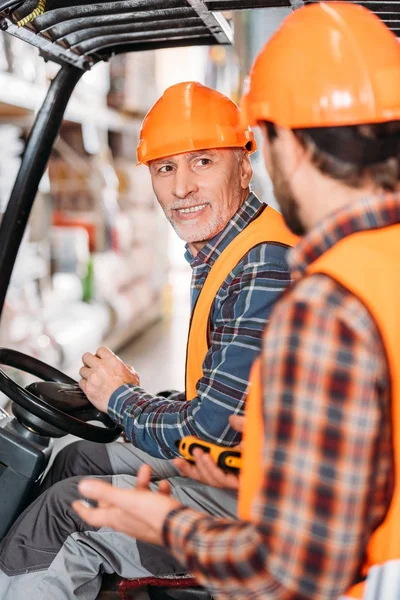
(267, 227)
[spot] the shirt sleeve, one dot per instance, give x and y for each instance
(327, 452)
(239, 316)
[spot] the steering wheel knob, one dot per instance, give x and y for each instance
(64, 396)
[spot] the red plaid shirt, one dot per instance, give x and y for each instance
(327, 447)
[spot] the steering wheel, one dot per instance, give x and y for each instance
(55, 406)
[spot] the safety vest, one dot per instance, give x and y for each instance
(368, 265)
(268, 226)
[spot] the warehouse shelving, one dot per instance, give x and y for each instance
(19, 102)
(21, 98)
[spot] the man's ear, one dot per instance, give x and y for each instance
(246, 171)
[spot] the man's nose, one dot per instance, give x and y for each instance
(185, 182)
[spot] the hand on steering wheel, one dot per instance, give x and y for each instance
(57, 400)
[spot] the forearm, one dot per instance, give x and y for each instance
(154, 424)
(146, 419)
(229, 558)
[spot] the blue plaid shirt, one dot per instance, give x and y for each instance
(238, 317)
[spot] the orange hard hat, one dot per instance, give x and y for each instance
(329, 64)
(190, 116)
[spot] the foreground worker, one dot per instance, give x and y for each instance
(198, 157)
(325, 92)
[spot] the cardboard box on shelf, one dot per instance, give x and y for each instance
(125, 170)
(67, 179)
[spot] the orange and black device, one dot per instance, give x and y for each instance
(225, 458)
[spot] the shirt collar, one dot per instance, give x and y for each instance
(373, 212)
(214, 247)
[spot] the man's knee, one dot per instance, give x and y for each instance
(50, 512)
(61, 495)
(33, 541)
(78, 459)
(40, 532)
(75, 456)
(69, 454)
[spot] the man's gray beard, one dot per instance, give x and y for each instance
(206, 232)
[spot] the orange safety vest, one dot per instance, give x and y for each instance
(269, 226)
(368, 265)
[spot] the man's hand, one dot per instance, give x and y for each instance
(205, 470)
(102, 374)
(139, 513)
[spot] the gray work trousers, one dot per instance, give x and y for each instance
(50, 553)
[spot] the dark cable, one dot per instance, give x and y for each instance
(11, 4)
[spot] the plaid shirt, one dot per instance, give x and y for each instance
(238, 317)
(327, 450)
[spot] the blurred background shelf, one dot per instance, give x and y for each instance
(19, 99)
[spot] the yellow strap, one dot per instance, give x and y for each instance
(39, 10)
(267, 227)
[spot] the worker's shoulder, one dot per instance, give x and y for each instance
(264, 256)
(264, 264)
(329, 300)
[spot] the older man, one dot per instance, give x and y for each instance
(321, 475)
(198, 156)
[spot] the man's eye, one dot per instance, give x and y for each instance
(204, 161)
(165, 169)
